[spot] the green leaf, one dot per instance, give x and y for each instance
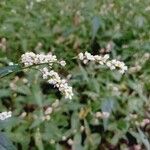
(58, 147)
(5, 143)
(38, 140)
(107, 106)
(96, 139)
(95, 26)
(37, 94)
(5, 93)
(77, 142)
(122, 125)
(116, 137)
(74, 121)
(9, 69)
(144, 139)
(141, 138)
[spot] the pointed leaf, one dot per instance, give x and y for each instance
(95, 26)
(5, 143)
(9, 69)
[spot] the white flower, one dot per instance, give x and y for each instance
(23, 115)
(81, 57)
(137, 147)
(64, 138)
(102, 115)
(48, 111)
(106, 57)
(105, 114)
(98, 115)
(85, 61)
(144, 122)
(89, 56)
(11, 63)
(62, 63)
(5, 115)
(70, 142)
(82, 128)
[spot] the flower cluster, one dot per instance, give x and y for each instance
(54, 79)
(31, 59)
(5, 115)
(103, 60)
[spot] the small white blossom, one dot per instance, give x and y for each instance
(64, 138)
(102, 115)
(85, 61)
(137, 147)
(98, 115)
(105, 114)
(96, 121)
(11, 63)
(82, 128)
(23, 115)
(144, 122)
(88, 56)
(70, 142)
(5, 115)
(81, 57)
(48, 111)
(62, 63)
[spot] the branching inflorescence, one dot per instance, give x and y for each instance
(52, 77)
(30, 59)
(103, 60)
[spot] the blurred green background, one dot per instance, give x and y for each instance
(66, 28)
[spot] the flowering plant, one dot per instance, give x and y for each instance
(45, 63)
(86, 98)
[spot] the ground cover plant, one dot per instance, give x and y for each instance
(75, 75)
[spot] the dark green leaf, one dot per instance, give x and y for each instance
(9, 69)
(95, 26)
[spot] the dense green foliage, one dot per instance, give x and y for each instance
(66, 28)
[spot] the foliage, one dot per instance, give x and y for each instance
(66, 28)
